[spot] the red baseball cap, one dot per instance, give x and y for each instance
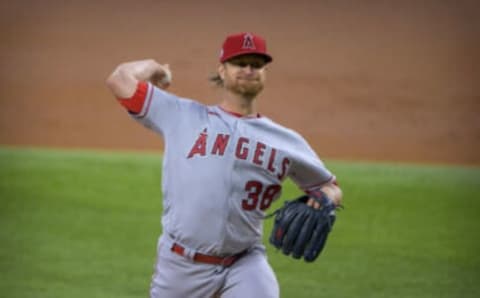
(242, 44)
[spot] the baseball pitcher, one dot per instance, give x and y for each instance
(223, 167)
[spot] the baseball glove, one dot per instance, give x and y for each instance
(300, 230)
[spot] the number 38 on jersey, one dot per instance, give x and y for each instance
(259, 195)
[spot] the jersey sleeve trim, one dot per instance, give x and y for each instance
(146, 106)
(313, 187)
(135, 104)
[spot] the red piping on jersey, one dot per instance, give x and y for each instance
(134, 104)
(240, 115)
(149, 101)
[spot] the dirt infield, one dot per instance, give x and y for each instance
(371, 82)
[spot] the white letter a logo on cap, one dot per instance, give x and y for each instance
(248, 42)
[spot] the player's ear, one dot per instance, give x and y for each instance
(221, 71)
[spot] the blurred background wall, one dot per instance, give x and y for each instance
(369, 80)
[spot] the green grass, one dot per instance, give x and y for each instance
(85, 224)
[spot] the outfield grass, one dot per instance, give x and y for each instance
(85, 224)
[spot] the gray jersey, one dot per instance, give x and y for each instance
(222, 171)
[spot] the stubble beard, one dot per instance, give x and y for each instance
(247, 89)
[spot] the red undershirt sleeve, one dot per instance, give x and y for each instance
(135, 103)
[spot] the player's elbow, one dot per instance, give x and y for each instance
(120, 84)
(112, 82)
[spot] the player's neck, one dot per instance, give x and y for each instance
(238, 104)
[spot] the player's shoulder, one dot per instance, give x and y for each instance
(180, 101)
(281, 128)
(285, 136)
(192, 107)
(192, 104)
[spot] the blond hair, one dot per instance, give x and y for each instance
(216, 80)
